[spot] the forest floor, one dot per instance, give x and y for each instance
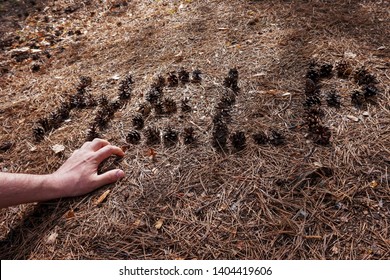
(289, 161)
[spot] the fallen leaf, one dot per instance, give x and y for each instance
(223, 207)
(344, 219)
(151, 153)
(116, 77)
(58, 148)
(374, 184)
(272, 91)
(349, 55)
(240, 245)
(260, 74)
(24, 49)
(159, 223)
(52, 238)
(70, 214)
(353, 118)
(137, 222)
(335, 249)
(102, 197)
(124, 148)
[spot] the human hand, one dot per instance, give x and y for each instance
(78, 175)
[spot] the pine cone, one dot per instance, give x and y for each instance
(276, 138)
(260, 138)
(172, 79)
(357, 98)
(231, 81)
(170, 137)
(152, 135)
(184, 76)
(125, 88)
(220, 135)
(159, 108)
(343, 69)
(311, 101)
(238, 140)
(38, 133)
(370, 91)
(84, 83)
(311, 88)
(188, 135)
(103, 100)
(185, 108)
(321, 135)
(196, 78)
(170, 106)
(154, 95)
(138, 122)
(145, 109)
(333, 99)
(313, 72)
(92, 133)
(159, 83)
(326, 70)
(133, 137)
(363, 77)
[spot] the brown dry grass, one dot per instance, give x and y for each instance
(263, 203)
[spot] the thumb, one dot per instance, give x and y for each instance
(110, 177)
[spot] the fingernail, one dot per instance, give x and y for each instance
(120, 174)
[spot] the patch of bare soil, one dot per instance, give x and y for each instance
(253, 129)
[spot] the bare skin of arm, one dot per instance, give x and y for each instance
(77, 176)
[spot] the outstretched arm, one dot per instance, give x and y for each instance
(77, 176)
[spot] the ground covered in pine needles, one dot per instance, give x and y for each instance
(252, 129)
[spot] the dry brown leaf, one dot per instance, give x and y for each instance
(159, 223)
(58, 148)
(353, 118)
(52, 238)
(240, 245)
(151, 153)
(70, 214)
(102, 197)
(222, 207)
(125, 148)
(272, 91)
(374, 184)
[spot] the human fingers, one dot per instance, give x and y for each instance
(107, 151)
(109, 177)
(75, 152)
(98, 143)
(86, 144)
